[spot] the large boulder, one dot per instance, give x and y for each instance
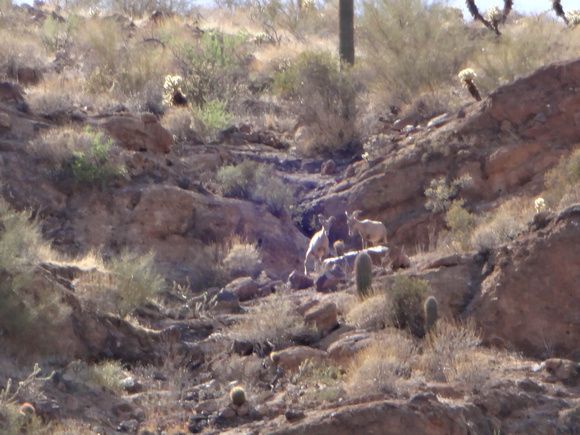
(530, 301)
(144, 134)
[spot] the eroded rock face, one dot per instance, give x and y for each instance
(177, 224)
(145, 134)
(505, 143)
(530, 301)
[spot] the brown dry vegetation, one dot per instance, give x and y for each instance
(161, 356)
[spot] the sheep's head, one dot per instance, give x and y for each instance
(351, 220)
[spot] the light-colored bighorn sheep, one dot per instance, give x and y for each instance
(370, 231)
(319, 244)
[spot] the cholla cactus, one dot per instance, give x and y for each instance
(495, 15)
(559, 10)
(173, 94)
(467, 76)
(573, 18)
(540, 205)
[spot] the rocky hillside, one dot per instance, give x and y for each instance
(309, 354)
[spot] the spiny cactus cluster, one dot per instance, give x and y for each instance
(238, 396)
(572, 18)
(495, 15)
(467, 76)
(363, 268)
(173, 94)
(430, 313)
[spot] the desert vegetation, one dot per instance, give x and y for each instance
(165, 165)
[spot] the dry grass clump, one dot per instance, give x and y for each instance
(272, 321)
(372, 312)
(562, 181)
(503, 225)
(107, 375)
(412, 46)
(382, 367)
(243, 258)
(449, 352)
(121, 284)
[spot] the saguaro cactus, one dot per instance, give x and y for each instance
(346, 31)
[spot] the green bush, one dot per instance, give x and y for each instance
(253, 181)
(28, 315)
(461, 225)
(93, 167)
(408, 295)
(212, 118)
(134, 280)
(213, 67)
(323, 98)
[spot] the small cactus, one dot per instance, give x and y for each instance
(430, 313)
(467, 76)
(363, 268)
(238, 396)
(339, 248)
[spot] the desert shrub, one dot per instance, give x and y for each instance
(563, 179)
(412, 46)
(120, 284)
(441, 193)
(242, 258)
(253, 181)
(449, 350)
(503, 225)
(320, 382)
(93, 167)
(461, 225)
(57, 35)
(16, 419)
(179, 122)
(18, 49)
(408, 295)
(324, 99)
(212, 118)
(134, 280)
(519, 51)
(273, 321)
(26, 313)
(383, 366)
(213, 67)
(372, 312)
(49, 102)
(107, 375)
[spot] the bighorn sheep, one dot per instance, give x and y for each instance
(370, 231)
(319, 244)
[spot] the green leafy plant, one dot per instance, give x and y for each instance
(363, 268)
(461, 225)
(212, 118)
(107, 375)
(441, 193)
(93, 167)
(253, 181)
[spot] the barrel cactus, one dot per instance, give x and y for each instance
(430, 313)
(363, 268)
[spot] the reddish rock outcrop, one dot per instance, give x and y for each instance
(530, 301)
(145, 134)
